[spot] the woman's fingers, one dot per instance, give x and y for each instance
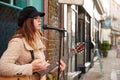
(39, 65)
(62, 65)
(42, 65)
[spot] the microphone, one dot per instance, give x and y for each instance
(52, 28)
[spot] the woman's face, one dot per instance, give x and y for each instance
(37, 22)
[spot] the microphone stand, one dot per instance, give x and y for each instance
(61, 37)
(60, 46)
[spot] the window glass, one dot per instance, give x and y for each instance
(18, 3)
(6, 1)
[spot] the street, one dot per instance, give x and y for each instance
(110, 71)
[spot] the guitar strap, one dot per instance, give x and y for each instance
(32, 55)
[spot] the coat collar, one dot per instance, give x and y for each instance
(28, 47)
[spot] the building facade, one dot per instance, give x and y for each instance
(81, 20)
(115, 19)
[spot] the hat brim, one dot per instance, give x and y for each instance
(41, 14)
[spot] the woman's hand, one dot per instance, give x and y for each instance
(39, 65)
(62, 65)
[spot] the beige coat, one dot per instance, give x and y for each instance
(15, 60)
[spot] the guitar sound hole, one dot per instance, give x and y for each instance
(18, 78)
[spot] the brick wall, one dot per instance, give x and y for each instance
(53, 36)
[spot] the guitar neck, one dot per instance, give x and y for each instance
(53, 65)
(79, 48)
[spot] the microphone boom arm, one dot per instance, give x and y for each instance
(52, 28)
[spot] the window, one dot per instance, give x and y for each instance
(17, 3)
(6, 1)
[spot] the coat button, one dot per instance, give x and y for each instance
(19, 73)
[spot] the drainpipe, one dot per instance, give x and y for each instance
(69, 29)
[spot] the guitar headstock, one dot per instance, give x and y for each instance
(80, 47)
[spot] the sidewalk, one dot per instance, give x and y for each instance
(110, 71)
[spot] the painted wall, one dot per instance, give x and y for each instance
(37, 3)
(106, 35)
(88, 5)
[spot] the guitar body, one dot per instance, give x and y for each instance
(15, 78)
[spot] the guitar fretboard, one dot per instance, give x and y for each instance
(53, 65)
(64, 58)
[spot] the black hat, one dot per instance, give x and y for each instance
(28, 12)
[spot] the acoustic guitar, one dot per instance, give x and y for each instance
(78, 49)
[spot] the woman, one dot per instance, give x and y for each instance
(25, 53)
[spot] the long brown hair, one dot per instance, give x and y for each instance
(28, 31)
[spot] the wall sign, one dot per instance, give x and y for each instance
(75, 2)
(107, 23)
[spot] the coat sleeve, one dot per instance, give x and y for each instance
(9, 58)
